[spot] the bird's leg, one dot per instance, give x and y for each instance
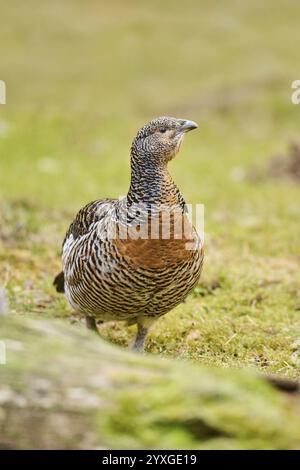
(91, 324)
(138, 344)
(143, 325)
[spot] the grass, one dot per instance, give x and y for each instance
(81, 78)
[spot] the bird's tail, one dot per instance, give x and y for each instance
(59, 282)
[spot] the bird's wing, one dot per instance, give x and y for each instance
(85, 220)
(87, 217)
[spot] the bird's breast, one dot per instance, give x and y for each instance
(160, 242)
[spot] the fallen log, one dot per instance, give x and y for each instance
(64, 388)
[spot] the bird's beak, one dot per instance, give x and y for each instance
(188, 126)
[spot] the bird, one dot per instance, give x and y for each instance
(135, 258)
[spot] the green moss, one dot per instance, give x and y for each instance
(64, 388)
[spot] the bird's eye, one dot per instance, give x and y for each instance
(162, 130)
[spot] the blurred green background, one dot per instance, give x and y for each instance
(82, 77)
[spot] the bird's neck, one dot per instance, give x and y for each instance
(151, 183)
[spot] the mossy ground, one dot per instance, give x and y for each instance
(81, 78)
(65, 388)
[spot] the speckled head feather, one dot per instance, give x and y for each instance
(159, 140)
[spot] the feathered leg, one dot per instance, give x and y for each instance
(143, 326)
(91, 324)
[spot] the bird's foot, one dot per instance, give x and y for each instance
(91, 324)
(143, 326)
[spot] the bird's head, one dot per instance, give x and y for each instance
(160, 139)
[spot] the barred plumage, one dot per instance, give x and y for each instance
(115, 265)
